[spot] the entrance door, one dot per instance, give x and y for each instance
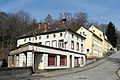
(76, 62)
(38, 60)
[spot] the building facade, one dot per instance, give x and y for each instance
(52, 46)
(105, 43)
(93, 43)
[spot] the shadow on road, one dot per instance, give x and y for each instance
(115, 60)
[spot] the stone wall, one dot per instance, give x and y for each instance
(14, 71)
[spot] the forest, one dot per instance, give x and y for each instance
(13, 25)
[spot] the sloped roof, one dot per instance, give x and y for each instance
(52, 28)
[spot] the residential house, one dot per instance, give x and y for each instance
(52, 46)
(105, 43)
(93, 48)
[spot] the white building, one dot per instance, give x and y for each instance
(52, 46)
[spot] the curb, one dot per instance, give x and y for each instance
(118, 72)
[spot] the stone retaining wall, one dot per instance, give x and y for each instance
(14, 71)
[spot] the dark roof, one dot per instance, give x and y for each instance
(52, 28)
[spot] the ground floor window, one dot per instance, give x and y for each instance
(52, 61)
(76, 62)
(62, 60)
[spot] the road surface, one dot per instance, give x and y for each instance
(105, 71)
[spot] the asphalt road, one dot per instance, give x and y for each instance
(105, 71)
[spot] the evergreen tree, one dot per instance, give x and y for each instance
(111, 34)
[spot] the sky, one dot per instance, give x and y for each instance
(102, 11)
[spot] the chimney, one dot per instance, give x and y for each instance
(63, 22)
(45, 27)
(39, 25)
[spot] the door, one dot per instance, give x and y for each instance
(70, 61)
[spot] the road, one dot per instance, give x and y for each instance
(105, 71)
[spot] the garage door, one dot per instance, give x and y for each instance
(62, 60)
(52, 60)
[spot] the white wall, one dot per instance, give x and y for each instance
(66, 36)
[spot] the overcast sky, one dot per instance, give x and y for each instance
(102, 11)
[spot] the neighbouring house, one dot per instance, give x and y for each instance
(51, 46)
(105, 43)
(93, 48)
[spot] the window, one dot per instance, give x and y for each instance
(24, 40)
(47, 36)
(80, 33)
(72, 45)
(87, 50)
(29, 39)
(72, 36)
(83, 33)
(62, 60)
(54, 43)
(52, 61)
(81, 47)
(40, 43)
(100, 35)
(61, 43)
(77, 37)
(35, 37)
(60, 34)
(81, 40)
(54, 35)
(39, 37)
(77, 46)
(47, 43)
(93, 30)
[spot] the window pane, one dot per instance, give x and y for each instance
(47, 43)
(54, 43)
(72, 44)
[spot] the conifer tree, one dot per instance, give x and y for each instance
(111, 34)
